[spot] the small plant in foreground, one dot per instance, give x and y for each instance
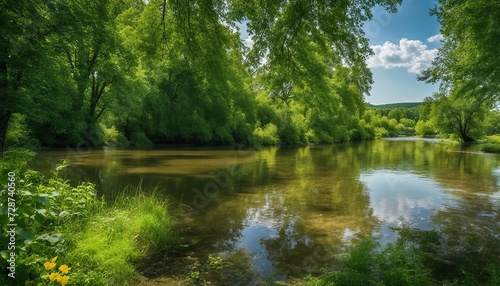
(60, 276)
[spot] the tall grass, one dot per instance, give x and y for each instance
(116, 241)
(417, 257)
(397, 264)
(102, 243)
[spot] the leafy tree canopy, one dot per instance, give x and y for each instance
(469, 55)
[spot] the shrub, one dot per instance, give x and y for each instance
(18, 133)
(267, 135)
(241, 130)
(399, 263)
(113, 137)
(101, 243)
(491, 148)
(424, 128)
(493, 139)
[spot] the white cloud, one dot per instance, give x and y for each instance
(435, 38)
(248, 42)
(410, 54)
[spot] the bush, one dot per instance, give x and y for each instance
(289, 134)
(357, 134)
(113, 137)
(493, 139)
(19, 135)
(45, 206)
(241, 130)
(102, 244)
(491, 148)
(267, 135)
(424, 128)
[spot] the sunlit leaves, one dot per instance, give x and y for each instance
(471, 31)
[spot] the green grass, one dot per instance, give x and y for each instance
(116, 241)
(103, 243)
(398, 263)
(417, 257)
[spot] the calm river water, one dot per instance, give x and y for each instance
(288, 211)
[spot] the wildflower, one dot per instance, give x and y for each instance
(63, 280)
(64, 269)
(54, 276)
(49, 265)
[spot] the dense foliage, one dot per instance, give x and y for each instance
(467, 69)
(141, 72)
(471, 32)
(65, 227)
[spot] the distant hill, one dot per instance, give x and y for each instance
(395, 105)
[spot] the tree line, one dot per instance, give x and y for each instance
(133, 72)
(140, 72)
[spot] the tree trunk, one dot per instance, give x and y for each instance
(4, 124)
(466, 137)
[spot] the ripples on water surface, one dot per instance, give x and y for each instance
(289, 210)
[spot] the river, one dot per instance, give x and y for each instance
(289, 211)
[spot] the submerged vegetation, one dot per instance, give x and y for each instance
(416, 258)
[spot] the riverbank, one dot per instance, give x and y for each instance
(491, 144)
(68, 235)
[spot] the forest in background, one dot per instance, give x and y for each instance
(133, 72)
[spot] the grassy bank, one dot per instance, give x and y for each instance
(492, 144)
(67, 235)
(416, 258)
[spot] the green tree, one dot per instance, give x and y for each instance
(459, 116)
(97, 61)
(469, 55)
(178, 71)
(24, 57)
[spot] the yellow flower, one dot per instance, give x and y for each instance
(54, 276)
(49, 265)
(63, 280)
(64, 269)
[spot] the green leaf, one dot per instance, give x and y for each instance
(4, 254)
(52, 239)
(24, 233)
(40, 218)
(43, 199)
(64, 213)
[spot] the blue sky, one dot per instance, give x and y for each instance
(404, 44)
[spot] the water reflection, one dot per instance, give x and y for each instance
(291, 210)
(397, 197)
